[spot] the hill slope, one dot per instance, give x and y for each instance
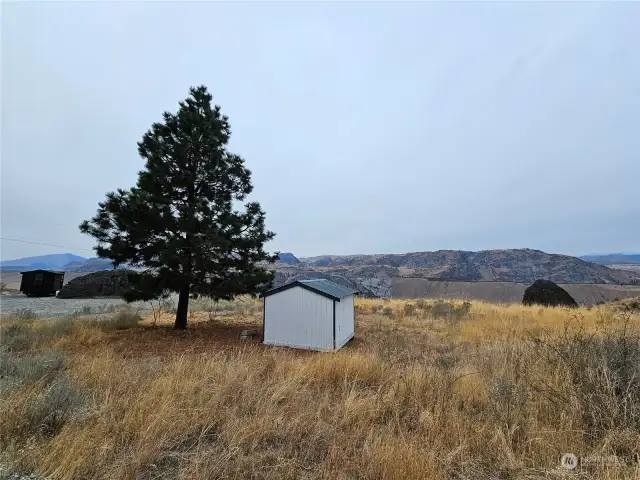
(89, 265)
(288, 258)
(55, 261)
(614, 259)
(518, 265)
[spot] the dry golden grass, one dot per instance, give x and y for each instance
(422, 392)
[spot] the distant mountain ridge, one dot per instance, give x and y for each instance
(75, 263)
(613, 258)
(67, 262)
(289, 258)
(55, 261)
(91, 265)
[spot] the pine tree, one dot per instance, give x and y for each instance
(179, 222)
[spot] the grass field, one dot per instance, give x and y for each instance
(427, 389)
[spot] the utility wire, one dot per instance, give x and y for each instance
(45, 244)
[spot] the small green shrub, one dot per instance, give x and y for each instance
(376, 308)
(25, 314)
(420, 303)
(58, 327)
(15, 370)
(409, 309)
(388, 312)
(18, 337)
(446, 360)
(112, 308)
(50, 410)
(441, 309)
(123, 319)
(459, 313)
(168, 305)
(507, 400)
(465, 307)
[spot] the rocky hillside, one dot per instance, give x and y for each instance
(288, 258)
(93, 265)
(107, 283)
(522, 265)
(374, 274)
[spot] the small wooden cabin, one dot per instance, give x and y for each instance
(41, 283)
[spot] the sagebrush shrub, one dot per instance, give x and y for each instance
(58, 327)
(409, 309)
(124, 319)
(49, 411)
(25, 314)
(17, 337)
(18, 369)
(441, 309)
(602, 375)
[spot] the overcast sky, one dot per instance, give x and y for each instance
(369, 127)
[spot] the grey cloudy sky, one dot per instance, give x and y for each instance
(369, 127)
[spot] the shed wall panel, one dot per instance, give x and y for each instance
(345, 320)
(299, 318)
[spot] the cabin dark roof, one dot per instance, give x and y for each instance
(323, 287)
(56, 272)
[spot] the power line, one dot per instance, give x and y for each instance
(45, 244)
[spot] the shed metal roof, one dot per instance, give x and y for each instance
(321, 286)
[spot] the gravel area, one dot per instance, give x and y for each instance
(46, 307)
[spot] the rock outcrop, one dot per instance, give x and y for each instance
(288, 258)
(547, 293)
(107, 283)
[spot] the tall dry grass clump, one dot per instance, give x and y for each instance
(428, 389)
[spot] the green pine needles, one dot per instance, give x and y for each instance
(179, 221)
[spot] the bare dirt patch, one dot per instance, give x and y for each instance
(163, 340)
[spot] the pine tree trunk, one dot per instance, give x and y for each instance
(183, 308)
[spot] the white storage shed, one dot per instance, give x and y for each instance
(311, 314)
